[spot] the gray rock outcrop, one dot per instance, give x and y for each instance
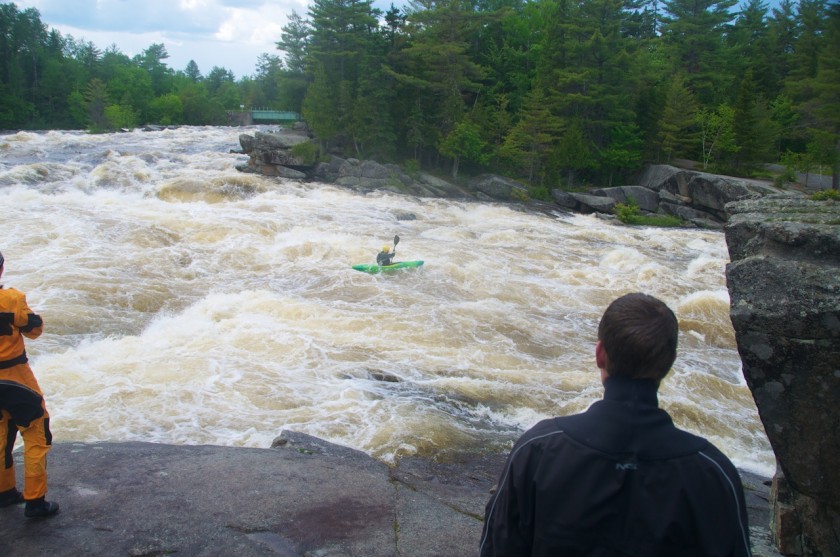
(499, 187)
(695, 197)
(271, 154)
(784, 285)
(704, 192)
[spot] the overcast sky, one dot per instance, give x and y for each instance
(226, 33)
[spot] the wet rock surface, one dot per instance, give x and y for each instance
(305, 497)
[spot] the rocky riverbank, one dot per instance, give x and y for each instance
(697, 198)
(304, 498)
(785, 307)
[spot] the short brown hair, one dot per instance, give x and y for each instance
(639, 334)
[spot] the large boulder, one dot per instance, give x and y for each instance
(280, 140)
(499, 188)
(702, 191)
(784, 290)
(646, 198)
(270, 154)
(690, 214)
(593, 203)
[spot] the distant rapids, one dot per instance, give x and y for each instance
(188, 303)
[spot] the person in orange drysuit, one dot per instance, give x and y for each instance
(22, 407)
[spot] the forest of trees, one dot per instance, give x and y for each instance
(557, 93)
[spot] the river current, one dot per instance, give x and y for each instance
(186, 302)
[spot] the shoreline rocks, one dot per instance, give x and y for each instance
(697, 198)
(785, 307)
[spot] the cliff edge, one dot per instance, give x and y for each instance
(305, 498)
(784, 285)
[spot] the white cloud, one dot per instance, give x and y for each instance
(226, 33)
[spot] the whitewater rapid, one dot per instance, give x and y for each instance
(186, 302)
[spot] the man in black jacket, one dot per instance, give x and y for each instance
(620, 478)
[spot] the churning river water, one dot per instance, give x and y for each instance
(186, 302)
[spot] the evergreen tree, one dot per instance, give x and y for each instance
(781, 40)
(152, 61)
(811, 21)
(320, 107)
(694, 31)
(372, 129)
(344, 36)
(530, 141)
(676, 125)
(823, 110)
(436, 64)
(624, 151)
(96, 98)
(294, 40)
(745, 123)
(752, 48)
(192, 72)
(607, 88)
(574, 153)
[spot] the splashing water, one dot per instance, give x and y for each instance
(185, 302)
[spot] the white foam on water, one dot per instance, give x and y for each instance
(186, 302)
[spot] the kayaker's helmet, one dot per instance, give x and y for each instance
(386, 249)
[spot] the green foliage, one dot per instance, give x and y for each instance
(676, 126)
(528, 144)
(96, 101)
(574, 153)
(307, 152)
(464, 141)
(624, 151)
(519, 195)
(717, 133)
(166, 110)
(541, 193)
(626, 212)
(629, 213)
(120, 116)
(412, 167)
(826, 195)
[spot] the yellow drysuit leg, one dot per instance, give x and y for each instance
(36, 444)
(25, 404)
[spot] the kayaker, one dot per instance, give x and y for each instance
(385, 256)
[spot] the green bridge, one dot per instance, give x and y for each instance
(264, 114)
(261, 116)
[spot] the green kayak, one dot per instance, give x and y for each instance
(373, 269)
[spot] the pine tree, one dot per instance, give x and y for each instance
(436, 65)
(529, 142)
(824, 108)
(294, 40)
(694, 31)
(676, 124)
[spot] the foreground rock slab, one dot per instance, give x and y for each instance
(307, 498)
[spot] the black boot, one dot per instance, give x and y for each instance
(39, 508)
(10, 497)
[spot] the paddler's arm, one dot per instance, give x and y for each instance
(27, 321)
